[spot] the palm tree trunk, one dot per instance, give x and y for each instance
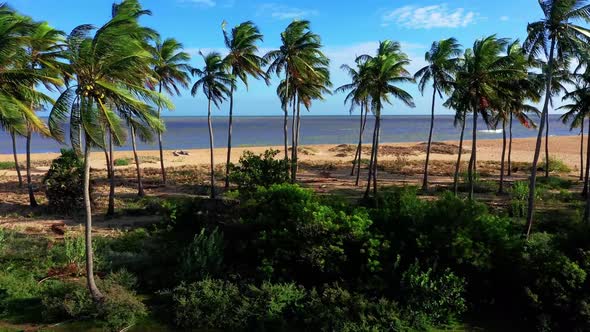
(111, 208)
(547, 144)
(229, 135)
(582, 151)
(162, 166)
(533, 179)
(209, 122)
(32, 200)
(140, 191)
(94, 291)
(372, 160)
(358, 148)
(425, 180)
(293, 141)
(501, 189)
(375, 161)
(286, 114)
(359, 161)
(510, 148)
(473, 161)
(458, 165)
(16, 165)
(297, 126)
(587, 175)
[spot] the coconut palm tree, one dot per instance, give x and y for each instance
(442, 59)
(357, 96)
(43, 53)
(299, 48)
(556, 36)
(484, 76)
(107, 67)
(460, 102)
(243, 61)
(216, 85)
(385, 70)
(171, 68)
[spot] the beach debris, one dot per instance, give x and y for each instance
(181, 153)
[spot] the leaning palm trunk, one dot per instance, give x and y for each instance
(375, 161)
(533, 179)
(297, 140)
(229, 135)
(425, 180)
(210, 124)
(16, 165)
(360, 159)
(510, 148)
(162, 167)
(358, 148)
(582, 151)
(293, 140)
(111, 208)
(32, 200)
(458, 165)
(547, 144)
(286, 117)
(473, 162)
(94, 291)
(140, 191)
(371, 161)
(501, 189)
(587, 175)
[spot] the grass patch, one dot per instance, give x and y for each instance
(554, 183)
(122, 162)
(5, 165)
(556, 165)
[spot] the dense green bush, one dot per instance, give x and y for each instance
(203, 256)
(64, 183)
(120, 307)
(519, 195)
(438, 299)
(259, 170)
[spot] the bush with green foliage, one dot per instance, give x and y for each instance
(64, 183)
(519, 194)
(555, 165)
(203, 257)
(120, 307)
(437, 299)
(122, 162)
(259, 170)
(75, 249)
(4, 165)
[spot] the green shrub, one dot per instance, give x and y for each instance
(519, 195)
(438, 298)
(210, 303)
(64, 183)
(272, 305)
(203, 256)
(556, 165)
(2, 239)
(259, 170)
(119, 308)
(18, 289)
(122, 161)
(5, 165)
(75, 249)
(337, 309)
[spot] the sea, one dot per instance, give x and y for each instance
(192, 133)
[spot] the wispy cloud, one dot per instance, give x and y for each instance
(504, 18)
(201, 3)
(284, 12)
(428, 17)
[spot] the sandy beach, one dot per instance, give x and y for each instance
(565, 148)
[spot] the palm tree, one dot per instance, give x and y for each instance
(299, 48)
(171, 70)
(442, 59)
(459, 101)
(357, 96)
(555, 35)
(44, 50)
(484, 76)
(216, 85)
(385, 70)
(107, 67)
(243, 61)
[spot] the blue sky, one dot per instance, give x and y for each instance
(347, 29)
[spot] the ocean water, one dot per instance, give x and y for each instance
(191, 132)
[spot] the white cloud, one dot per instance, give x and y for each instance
(428, 17)
(284, 12)
(504, 18)
(202, 3)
